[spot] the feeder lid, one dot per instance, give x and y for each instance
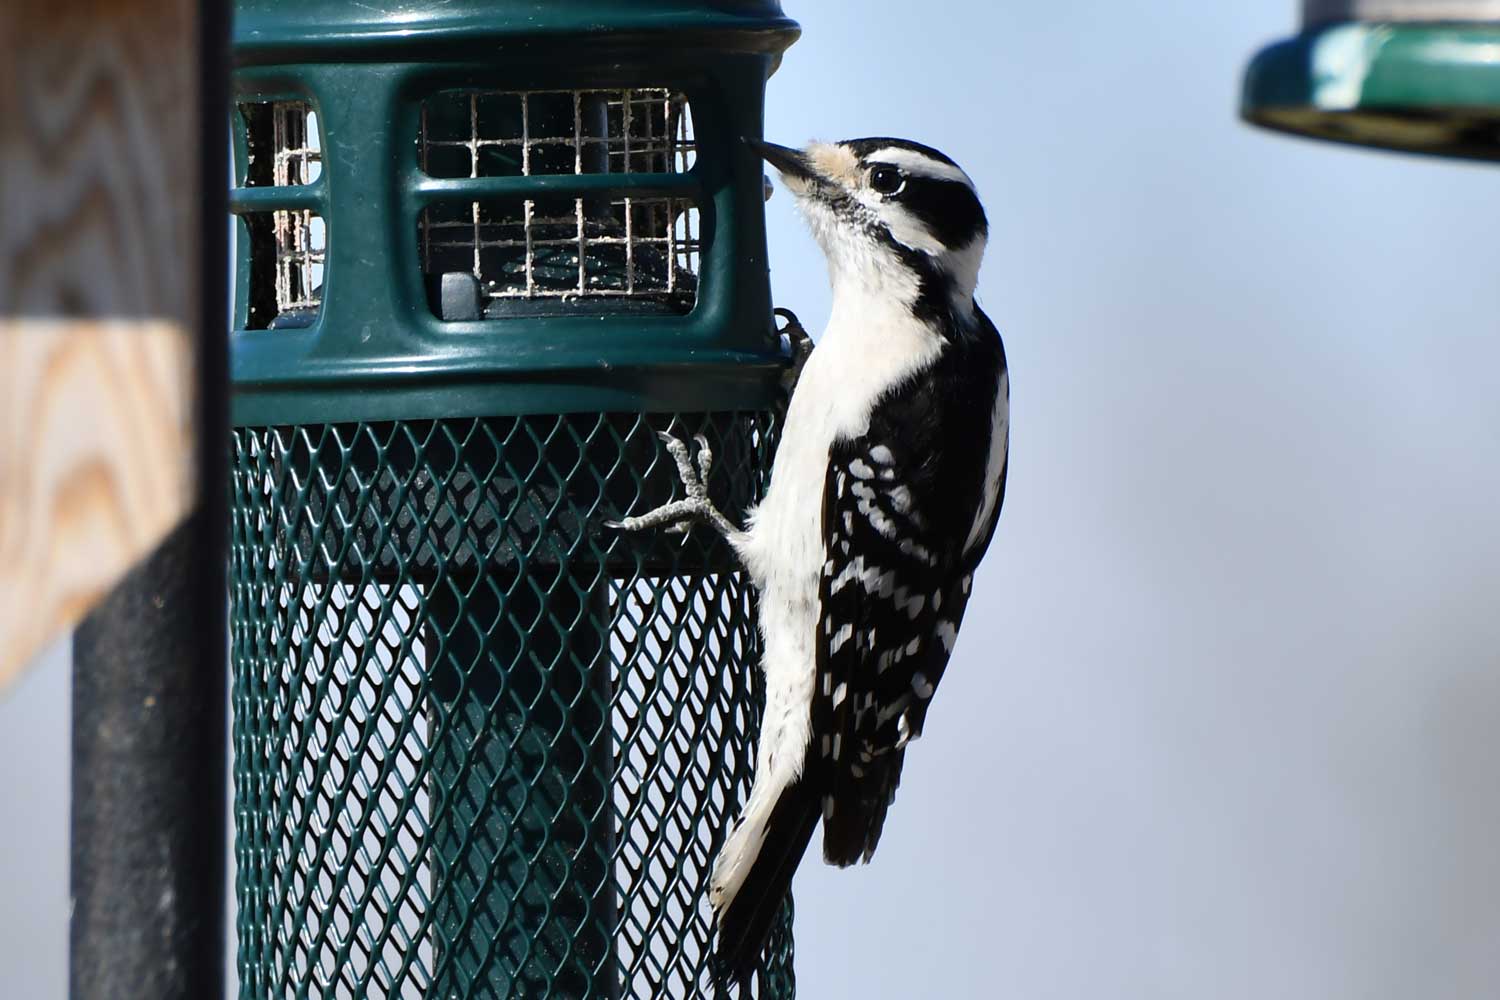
(280, 28)
(1411, 81)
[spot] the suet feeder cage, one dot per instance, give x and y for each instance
(1421, 76)
(485, 746)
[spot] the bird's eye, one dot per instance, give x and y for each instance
(887, 180)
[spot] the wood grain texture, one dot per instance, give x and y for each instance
(94, 428)
(98, 159)
(99, 224)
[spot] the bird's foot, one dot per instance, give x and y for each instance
(799, 344)
(681, 515)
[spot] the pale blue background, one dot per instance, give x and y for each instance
(1224, 720)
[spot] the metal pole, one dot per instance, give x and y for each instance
(148, 846)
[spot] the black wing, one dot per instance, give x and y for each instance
(899, 512)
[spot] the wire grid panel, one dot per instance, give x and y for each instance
(481, 133)
(301, 249)
(288, 130)
(298, 150)
(643, 246)
(485, 747)
(562, 248)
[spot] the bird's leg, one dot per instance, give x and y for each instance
(697, 507)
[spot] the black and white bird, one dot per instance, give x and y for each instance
(883, 497)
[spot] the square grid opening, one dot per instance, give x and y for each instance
(478, 254)
(644, 130)
(288, 248)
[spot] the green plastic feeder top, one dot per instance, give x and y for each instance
(1420, 76)
(502, 207)
(302, 25)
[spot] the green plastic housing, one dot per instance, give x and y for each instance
(1413, 87)
(377, 350)
(484, 745)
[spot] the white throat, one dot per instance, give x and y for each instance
(862, 268)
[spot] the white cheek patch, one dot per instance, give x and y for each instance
(908, 230)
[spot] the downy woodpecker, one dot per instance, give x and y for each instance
(884, 493)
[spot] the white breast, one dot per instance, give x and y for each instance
(871, 344)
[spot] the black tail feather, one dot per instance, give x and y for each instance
(852, 828)
(745, 924)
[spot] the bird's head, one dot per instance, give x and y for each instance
(892, 216)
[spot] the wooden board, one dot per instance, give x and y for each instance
(95, 465)
(99, 265)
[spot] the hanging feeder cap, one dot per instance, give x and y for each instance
(1420, 76)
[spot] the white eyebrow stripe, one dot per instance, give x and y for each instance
(919, 165)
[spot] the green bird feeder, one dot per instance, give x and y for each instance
(1422, 76)
(487, 251)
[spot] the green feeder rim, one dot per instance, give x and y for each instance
(271, 30)
(1419, 88)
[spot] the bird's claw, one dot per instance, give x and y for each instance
(679, 516)
(705, 461)
(799, 345)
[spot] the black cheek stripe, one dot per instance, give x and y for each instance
(949, 209)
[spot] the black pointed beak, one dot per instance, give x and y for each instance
(791, 162)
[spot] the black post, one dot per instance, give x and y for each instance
(148, 843)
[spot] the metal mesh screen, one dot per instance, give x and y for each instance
(485, 747)
(566, 248)
(642, 247)
(288, 248)
(486, 133)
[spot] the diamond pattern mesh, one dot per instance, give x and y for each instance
(486, 747)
